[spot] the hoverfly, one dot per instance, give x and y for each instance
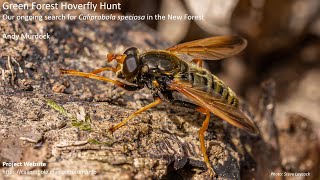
(168, 71)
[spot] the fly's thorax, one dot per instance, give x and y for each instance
(209, 83)
(159, 62)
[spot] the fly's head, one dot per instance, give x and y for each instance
(128, 64)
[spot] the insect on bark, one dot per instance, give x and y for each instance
(168, 71)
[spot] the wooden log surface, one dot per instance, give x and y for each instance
(162, 143)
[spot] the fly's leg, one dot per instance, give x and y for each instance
(151, 105)
(93, 74)
(198, 62)
(96, 71)
(101, 78)
(110, 57)
(202, 130)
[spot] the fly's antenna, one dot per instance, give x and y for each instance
(118, 57)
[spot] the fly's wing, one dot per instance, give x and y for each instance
(213, 48)
(215, 105)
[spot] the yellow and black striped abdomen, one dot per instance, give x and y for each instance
(210, 83)
(224, 91)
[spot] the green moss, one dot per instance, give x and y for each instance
(84, 125)
(57, 107)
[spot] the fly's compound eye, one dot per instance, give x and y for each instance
(131, 51)
(130, 64)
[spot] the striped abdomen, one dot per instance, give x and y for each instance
(210, 83)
